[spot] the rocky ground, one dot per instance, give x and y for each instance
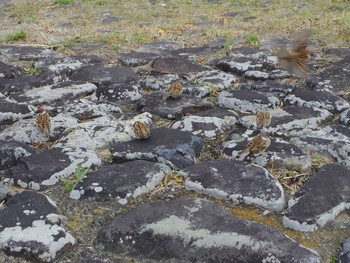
(93, 192)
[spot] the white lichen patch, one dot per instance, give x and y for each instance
(218, 125)
(214, 78)
(48, 94)
(40, 232)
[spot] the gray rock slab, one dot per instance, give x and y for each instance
(99, 260)
(333, 141)
(280, 154)
(12, 152)
(136, 59)
(274, 87)
(11, 111)
(340, 52)
(5, 192)
(41, 170)
(9, 71)
(295, 121)
(344, 118)
(15, 53)
(174, 65)
(117, 92)
(197, 230)
(236, 181)
(26, 130)
(210, 124)
(98, 133)
(83, 109)
(344, 256)
(102, 75)
(173, 147)
(247, 101)
(31, 227)
(317, 99)
(320, 199)
(334, 77)
(172, 108)
(121, 182)
(194, 52)
(213, 79)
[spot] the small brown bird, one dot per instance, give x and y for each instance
(43, 121)
(263, 119)
(295, 61)
(257, 145)
(174, 90)
(141, 130)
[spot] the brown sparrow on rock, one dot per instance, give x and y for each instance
(43, 121)
(295, 61)
(141, 130)
(257, 145)
(263, 119)
(174, 90)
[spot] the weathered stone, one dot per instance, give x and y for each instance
(340, 52)
(210, 124)
(103, 130)
(135, 59)
(103, 75)
(9, 71)
(172, 108)
(197, 230)
(4, 192)
(237, 181)
(175, 148)
(335, 77)
(121, 182)
(333, 141)
(274, 87)
(26, 130)
(12, 152)
(344, 256)
(247, 101)
(280, 154)
(98, 260)
(15, 53)
(213, 79)
(174, 65)
(295, 121)
(344, 118)
(10, 111)
(193, 52)
(317, 99)
(117, 92)
(320, 199)
(31, 227)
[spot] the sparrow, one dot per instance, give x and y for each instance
(295, 60)
(174, 90)
(263, 119)
(141, 130)
(43, 121)
(257, 145)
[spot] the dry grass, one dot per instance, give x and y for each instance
(193, 22)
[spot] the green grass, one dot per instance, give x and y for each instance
(21, 35)
(64, 2)
(76, 178)
(253, 40)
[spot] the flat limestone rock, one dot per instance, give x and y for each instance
(135, 59)
(121, 182)
(12, 152)
(31, 227)
(175, 65)
(317, 99)
(15, 53)
(334, 77)
(41, 170)
(280, 90)
(11, 111)
(174, 148)
(320, 199)
(295, 121)
(117, 92)
(210, 124)
(345, 118)
(172, 108)
(280, 154)
(197, 230)
(247, 101)
(333, 141)
(237, 181)
(99, 75)
(344, 256)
